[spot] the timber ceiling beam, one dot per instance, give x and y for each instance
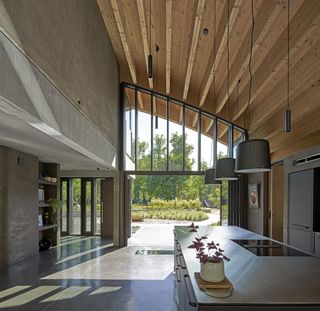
(124, 41)
(273, 68)
(212, 67)
(193, 46)
(144, 35)
(125, 45)
(307, 92)
(268, 13)
(209, 126)
(168, 43)
(304, 88)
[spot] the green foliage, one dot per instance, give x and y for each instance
(174, 192)
(170, 204)
(171, 214)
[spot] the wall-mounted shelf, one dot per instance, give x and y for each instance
(45, 182)
(47, 227)
(45, 204)
(50, 192)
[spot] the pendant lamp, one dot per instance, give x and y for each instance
(150, 55)
(288, 111)
(209, 177)
(253, 156)
(225, 169)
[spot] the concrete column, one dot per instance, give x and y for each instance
(18, 206)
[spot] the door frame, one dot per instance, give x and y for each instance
(83, 183)
(83, 221)
(270, 216)
(67, 231)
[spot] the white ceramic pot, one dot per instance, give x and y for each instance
(212, 271)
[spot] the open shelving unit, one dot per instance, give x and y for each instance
(48, 211)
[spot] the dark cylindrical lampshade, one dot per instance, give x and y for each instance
(209, 177)
(288, 121)
(253, 156)
(149, 66)
(225, 169)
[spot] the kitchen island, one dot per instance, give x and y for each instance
(279, 278)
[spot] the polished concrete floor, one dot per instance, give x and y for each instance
(87, 273)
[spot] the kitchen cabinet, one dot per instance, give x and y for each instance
(301, 200)
(268, 282)
(304, 209)
(301, 239)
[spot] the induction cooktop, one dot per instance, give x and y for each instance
(268, 248)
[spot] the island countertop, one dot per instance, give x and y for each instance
(257, 280)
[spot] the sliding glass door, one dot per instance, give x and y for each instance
(80, 206)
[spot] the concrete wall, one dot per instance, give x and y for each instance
(68, 41)
(26, 94)
(18, 206)
(256, 216)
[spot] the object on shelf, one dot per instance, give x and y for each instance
(41, 197)
(40, 221)
(44, 244)
(48, 178)
(46, 219)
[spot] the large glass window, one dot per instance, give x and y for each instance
(238, 137)
(164, 134)
(130, 127)
(144, 132)
(207, 127)
(223, 140)
(191, 146)
(224, 202)
(159, 134)
(175, 137)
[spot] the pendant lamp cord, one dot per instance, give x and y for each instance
(228, 61)
(214, 50)
(288, 62)
(150, 28)
(250, 61)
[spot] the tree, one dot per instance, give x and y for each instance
(176, 153)
(171, 187)
(159, 153)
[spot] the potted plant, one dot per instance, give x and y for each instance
(55, 204)
(210, 256)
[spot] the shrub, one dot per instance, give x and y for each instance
(136, 217)
(171, 214)
(171, 204)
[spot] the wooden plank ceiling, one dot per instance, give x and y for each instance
(192, 65)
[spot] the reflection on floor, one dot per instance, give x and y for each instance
(88, 273)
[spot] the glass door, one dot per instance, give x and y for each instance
(75, 215)
(88, 205)
(80, 206)
(64, 206)
(97, 207)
